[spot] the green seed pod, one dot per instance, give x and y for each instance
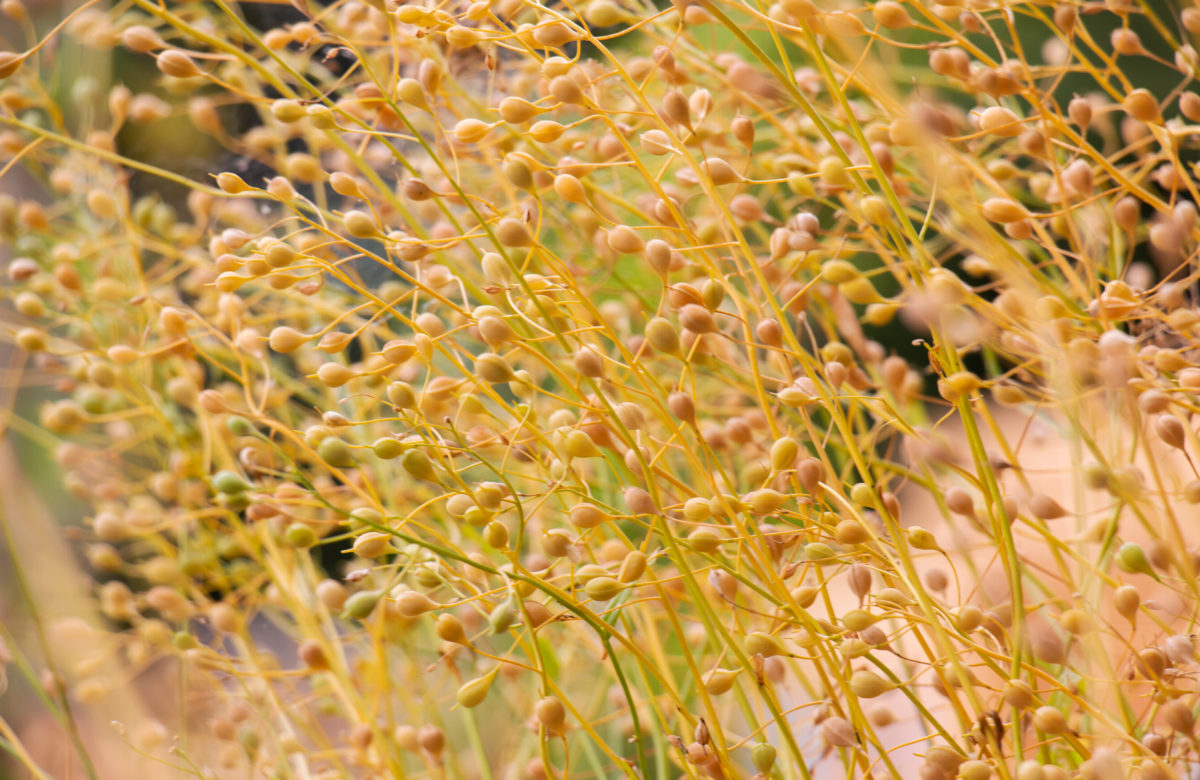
(336, 453)
(866, 684)
(697, 509)
(704, 540)
(387, 448)
(922, 539)
(418, 464)
(661, 335)
(603, 588)
(229, 482)
(300, 536)
(473, 692)
(758, 643)
(577, 444)
(502, 618)
(360, 605)
(819, 551)
(763, 757)
(1131, 558)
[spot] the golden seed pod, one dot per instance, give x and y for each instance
(1127, 600)
(570, 189)
(697, 319)
(866, 684)
(1178, 716)
(633, 566)
(493, 368)
(334, 374)
(719, 171)
(1050, 720)
(758, 643)
(704, 540)
(1000, 121)
(1003, 210)
(586, 515)
(177, 64)
(411, 603)
(625, 240)
(312, 655)
(566, 90)
(682, 408)
(720, 680)
(1171, 431)
(891, 15)
(372, 544)
(515, 110)
(1018, 694)
(512, 232)
(1142, 106)
(473, 692)
(551, 713)
(470, 130)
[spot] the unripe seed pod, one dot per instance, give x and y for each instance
(661, 335)
(360, 605)
(473, 692)
(1131, 558)
(372, 544)
(866, 684)
(603, 588)
(551, 713)
(176, 64)
(493, 368)
(1050, 720)
(762, 756)
(418, 464)
(1141, 105)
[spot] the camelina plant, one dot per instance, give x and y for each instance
(506, 389)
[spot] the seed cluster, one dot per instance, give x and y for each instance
(536, 372)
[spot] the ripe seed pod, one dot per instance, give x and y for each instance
(1127, 600)
(1142, 105)
(682, 407)
(632, 567)
(697, 319)
(372, 544)
(1171, 431)
(587, 515)
(566, 90)
(413, 603)
(1044, 507)
(866, 684)
(1080, 112)
(1178, 716)
(493, 368)
(720, 680)
(551, 713)
(513, 233)
(758, 643)
(891, 15)
(450, 629)
(176, 64)
(719, 172)
(1003, 210)
(1000, 121)
(1049, 720)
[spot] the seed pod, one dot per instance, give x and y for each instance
(1178, 716)
(720, 680)
(1127, 600)
(551, 713)
(450, 629)
(587, 515)
(372, 544)
(682, 407)
(625, 240)
(360, 605)
(1131, 558)
(603, 588)
(1142, 106)
(513, 233)
(312, 655)
(639, 501)
(1003, 210)
(697, 319)
(417, 463)
(473, 692)
(632, 567)
(1044, 507)
(1171, 431)
(176, 64)
(1018, 694)
(566, 90)
(1000, 121)
(1080, 112)
(758, 643)
(661, 335)
(1049, 720)
(413, 603)
(493, 368)
(866, 684)
(719, 172)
